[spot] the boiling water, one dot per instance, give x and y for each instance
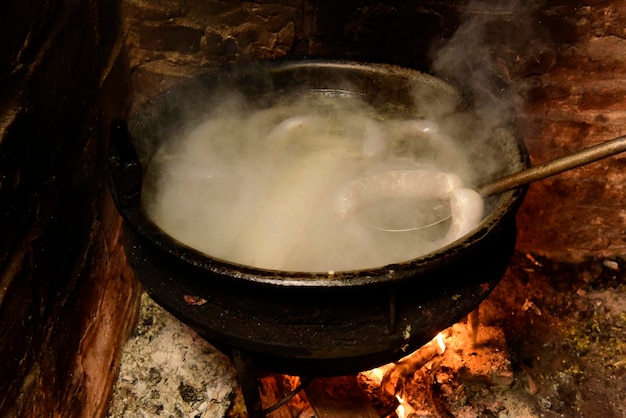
(274, 188)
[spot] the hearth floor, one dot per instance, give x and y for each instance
(167, 370)
(551, 343)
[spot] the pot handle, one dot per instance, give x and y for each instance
(125, 173)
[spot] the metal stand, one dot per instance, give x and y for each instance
(247, 375)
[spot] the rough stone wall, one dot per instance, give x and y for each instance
(174, 39)
(67, 299)
(575, 96)
(567, 60)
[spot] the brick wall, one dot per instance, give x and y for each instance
(576, 98)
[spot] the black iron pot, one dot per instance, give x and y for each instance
(311, 323)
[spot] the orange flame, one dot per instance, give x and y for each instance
(440, 342)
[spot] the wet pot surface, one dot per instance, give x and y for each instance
(310, 323)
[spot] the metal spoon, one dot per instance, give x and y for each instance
(441, 212)
(550, 168)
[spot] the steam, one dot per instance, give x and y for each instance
(294, 186)
(275, 187)
(470, 58)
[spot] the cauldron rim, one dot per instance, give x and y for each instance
(126, 193)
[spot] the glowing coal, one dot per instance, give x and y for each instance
(275, 187)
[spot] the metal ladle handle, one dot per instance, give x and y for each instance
(550, 168)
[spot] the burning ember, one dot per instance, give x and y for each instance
(431, 381)
(417, 384)
(393, 376)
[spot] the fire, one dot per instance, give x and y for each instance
(377, 374)
(416, 361)
(441, 343)
(427, 352)
(404, 410)
(391, 377)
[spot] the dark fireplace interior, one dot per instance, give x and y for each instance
(80, 338)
